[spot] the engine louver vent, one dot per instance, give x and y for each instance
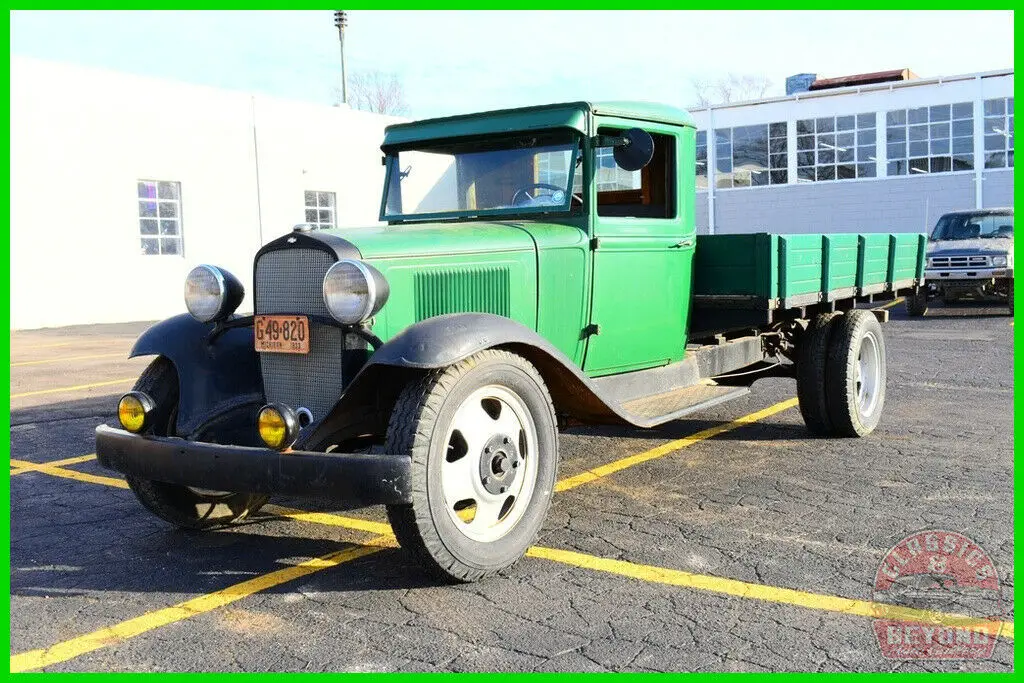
(466, 290)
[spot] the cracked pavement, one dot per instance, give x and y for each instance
(765, 504)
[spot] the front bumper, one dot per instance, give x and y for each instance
(933, 276)
(366, 479)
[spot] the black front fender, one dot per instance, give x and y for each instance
(215, 373)
(442, 341)
(446, 339)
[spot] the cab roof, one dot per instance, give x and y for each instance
(564, 115)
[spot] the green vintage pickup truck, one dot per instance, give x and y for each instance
(536, 268)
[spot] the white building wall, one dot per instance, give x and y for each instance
(80, 140)
(897, 204)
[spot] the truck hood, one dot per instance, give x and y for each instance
(418, 239)
(963, 247)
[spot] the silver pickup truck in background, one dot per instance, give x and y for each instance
(970, 255)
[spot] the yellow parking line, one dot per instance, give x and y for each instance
(649, 573)
(670, 447)
(891, 303)
(756, 591)
(59, 463)
(67, 360)
(79, 387)
(329, 519)
(49, 346)
(26, 466)
(119, 633)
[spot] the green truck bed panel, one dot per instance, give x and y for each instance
(737, 265)
(795, 270)
(800, 265)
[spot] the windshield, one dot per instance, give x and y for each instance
(513, 175)
(965, 226)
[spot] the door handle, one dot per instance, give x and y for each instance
(682, 243)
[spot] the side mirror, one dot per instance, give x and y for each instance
(636, 151)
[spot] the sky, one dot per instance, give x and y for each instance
(452, 62)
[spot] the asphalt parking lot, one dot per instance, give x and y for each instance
(733, 542)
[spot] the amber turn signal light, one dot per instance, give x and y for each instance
(133, 411)
(278, 426)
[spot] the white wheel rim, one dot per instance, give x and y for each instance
(491, 435)
(868, 381)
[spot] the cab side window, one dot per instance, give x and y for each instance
(647, 193)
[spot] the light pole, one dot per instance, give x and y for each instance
(341, 21)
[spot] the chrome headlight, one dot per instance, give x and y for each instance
(999, 261)
(212, 294)
(354, 291)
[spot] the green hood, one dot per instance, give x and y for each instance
(422, 239)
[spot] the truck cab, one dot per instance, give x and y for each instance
(533, 269)
(970, 255)
(614, 245)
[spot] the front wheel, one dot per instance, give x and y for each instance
(183, 506)
(483, 439)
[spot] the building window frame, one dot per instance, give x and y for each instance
(838, 147)
(158, 206)
(321, 209)
(937, 138)
(701, 163)
(998, 133)
(774, 162)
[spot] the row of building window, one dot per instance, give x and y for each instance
(936, 139)
(160, 215)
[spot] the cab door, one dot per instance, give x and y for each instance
(644, 239)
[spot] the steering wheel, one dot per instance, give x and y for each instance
(526, 191)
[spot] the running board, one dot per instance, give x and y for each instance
(650, 411)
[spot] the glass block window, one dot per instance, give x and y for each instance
(751, 156)
(702, 159)
(999, 133)
(835, 148)
(936, 139)
(160, 217)
(320, 209)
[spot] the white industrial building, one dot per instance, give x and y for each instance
(120, 184)
(872, 156)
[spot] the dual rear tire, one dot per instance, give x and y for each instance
(841, 374)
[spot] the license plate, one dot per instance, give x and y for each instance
(282, 333)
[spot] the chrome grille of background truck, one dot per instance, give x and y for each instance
(959, 262)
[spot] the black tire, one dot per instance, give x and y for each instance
(180, 505)
(810, 374)
(851, 416)
(420, 423)
(1009, 298)
(916, 304)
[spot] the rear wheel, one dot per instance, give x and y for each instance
(856, 374)
(183, 506)
(916, 304)
(483, 439)
(810, 374)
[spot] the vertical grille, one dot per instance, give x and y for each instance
(291, 281)
(468, 290)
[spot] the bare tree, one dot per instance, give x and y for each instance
(730, 88)
(377, 91)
